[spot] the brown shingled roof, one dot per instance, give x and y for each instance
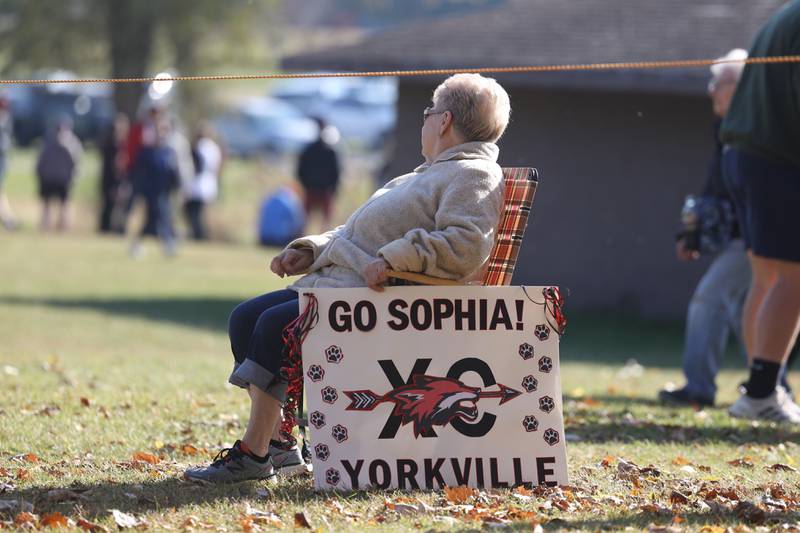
(542, 32)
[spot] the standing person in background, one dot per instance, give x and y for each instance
(113, 175)
(318, 172)
(761, 166)
(56, 169)
(715, 309)
(202, 189)
(154, 177)
(6, 131)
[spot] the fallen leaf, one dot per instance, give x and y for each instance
(403, 508)
(23, 474)
(188, 449)
(712, 529)
(55, 519)
(85, 401)
(607, 461)
(681, 461)
(676, 498)
(124, 520)
(89, 526)
(746, 461)
(31, 458)
(25, 519)
(300, 520)
(779, 466)
(460, 494)
(146, 458)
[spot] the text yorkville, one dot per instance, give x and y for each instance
(430, 473)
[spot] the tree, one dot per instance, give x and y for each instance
(120, 38)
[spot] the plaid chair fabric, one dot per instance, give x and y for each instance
(520, 188)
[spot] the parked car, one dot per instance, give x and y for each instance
(362, 109)
(264, 126)
(36, 108)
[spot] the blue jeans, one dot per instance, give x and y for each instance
(255, 329)
(715, 311)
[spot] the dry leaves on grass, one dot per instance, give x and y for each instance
(124, 520)
(459, 495)
(90, 526)
(782, 467)
(300, 520)
(54, 520)
(252, 518)
(146, 458)
(746, 461)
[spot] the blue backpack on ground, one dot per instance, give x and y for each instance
(281, 218)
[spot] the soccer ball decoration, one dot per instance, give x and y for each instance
(339, 433)
(315, 373)
(542, 332)
(546, 404)
(525, 351)
(317, 419)
(530, 423)
(550, 436)
(332, 476)
(322, 452)
(545, 364)
(329, 395)
(529, 383)
(333, 354)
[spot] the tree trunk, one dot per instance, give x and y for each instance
(131, 27)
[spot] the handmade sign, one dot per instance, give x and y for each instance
(422, 387)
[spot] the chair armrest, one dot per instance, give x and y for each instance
(421, 278)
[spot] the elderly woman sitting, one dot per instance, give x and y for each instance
(438, 220)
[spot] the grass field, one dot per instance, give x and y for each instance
(103, 358)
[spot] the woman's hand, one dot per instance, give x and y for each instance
(375, 274)
(292, 261)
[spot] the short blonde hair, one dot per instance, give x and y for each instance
(480, 106)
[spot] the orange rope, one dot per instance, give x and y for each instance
(638, 65)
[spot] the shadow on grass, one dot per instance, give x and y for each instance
(691, 521)
(203, 313)
(93, 501)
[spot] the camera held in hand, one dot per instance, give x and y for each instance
(707, 224)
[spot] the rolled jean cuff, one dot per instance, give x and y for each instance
(251, 373)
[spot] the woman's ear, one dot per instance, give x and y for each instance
(446, 123)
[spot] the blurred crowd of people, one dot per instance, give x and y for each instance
(146, 162)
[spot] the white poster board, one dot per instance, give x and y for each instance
(421, 387)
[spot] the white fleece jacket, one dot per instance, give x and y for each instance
(439, 220)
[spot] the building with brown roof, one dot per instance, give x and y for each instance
(617, 150)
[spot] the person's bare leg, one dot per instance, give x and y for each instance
(763, 277)
(778, 317)
(265, 412)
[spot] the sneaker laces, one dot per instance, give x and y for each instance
(226, 455)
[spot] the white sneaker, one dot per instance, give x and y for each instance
(778, 407)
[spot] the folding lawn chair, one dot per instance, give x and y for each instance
(520, 187)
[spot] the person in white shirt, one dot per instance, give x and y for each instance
(202, 189)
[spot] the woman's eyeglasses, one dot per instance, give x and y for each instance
(429, 111)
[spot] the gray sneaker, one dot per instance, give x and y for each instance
(288, 462)
(231, 465)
